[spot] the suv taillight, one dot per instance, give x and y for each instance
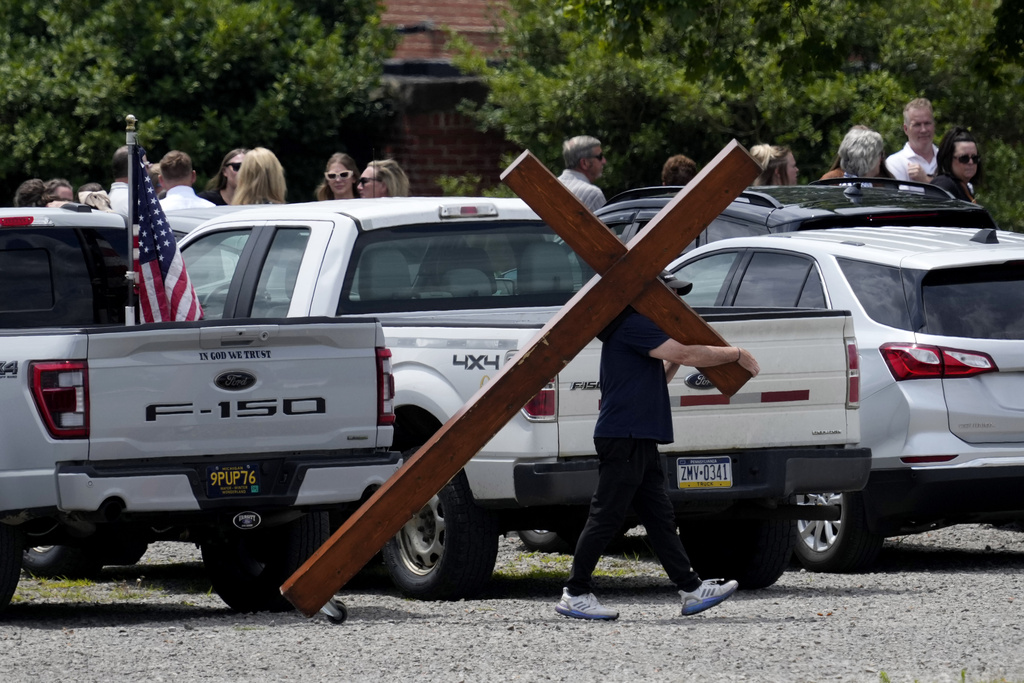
(61, 392)
(543, 406)
(385, 388)
(920, 361)
(852, 374)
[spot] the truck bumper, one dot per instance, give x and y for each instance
(775, 475)
(907, 500)
(127, 487)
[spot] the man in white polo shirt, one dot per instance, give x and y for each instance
(918, 159)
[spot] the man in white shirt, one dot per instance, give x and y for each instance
(176, 178)
(919, 157)
(584, 163)
(118, 194)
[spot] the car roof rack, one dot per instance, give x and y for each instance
(889, 184)
(750, 196)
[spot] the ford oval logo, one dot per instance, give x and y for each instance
(247, 520)
(235, 380)
(698, 381)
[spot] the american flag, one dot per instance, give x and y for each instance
(165, 290)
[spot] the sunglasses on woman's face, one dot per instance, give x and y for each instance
(235, 165)
(964, 158)
(338, 176)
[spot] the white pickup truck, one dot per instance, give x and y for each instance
(241, 436)
(460, 284)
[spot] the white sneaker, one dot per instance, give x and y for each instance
(583, 607)
(710, 593)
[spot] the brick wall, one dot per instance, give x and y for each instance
(422, 24)
(431, 144)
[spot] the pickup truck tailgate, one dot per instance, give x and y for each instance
(194, 389)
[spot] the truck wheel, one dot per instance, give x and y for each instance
(123, 554)
(61, 561)
(545, 541)
(447, 550)
(843, 546)
(248, 568)
(10, 562)
(754, 552)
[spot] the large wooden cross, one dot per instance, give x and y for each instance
(627, 275)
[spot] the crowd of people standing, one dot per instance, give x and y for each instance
(245, 176)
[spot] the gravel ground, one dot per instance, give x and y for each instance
(937, 604)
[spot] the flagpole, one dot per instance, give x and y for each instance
(133, 228)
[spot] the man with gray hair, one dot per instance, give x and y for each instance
(918, 159)
(584, 163)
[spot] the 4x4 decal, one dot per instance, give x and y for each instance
(8, 368)
(471, 362)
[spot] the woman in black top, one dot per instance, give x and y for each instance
(959, 164)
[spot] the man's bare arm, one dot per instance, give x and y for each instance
(698, 356)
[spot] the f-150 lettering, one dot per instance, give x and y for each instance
(261, 407)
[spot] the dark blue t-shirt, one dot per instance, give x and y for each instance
(634, 395)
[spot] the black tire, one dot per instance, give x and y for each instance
(11, 541)
(545, 541)
(845, 546)
(61, 561)
(447, 551)
(754, 552)
(248, 568)
(123, 554)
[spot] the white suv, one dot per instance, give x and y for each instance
(939, 321)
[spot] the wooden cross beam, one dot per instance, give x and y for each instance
(625, 275)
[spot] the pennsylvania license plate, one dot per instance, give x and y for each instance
(702, 473)
(232, 480)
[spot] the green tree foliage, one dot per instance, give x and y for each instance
(203, 76)
(652, 78)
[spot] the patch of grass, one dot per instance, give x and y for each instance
(67, 590)
(884, 678)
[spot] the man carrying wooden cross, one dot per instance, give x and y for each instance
(637, 361)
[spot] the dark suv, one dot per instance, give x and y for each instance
(841, 203)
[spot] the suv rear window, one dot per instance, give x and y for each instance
(62, 276)
(982, 302)
(469, 266)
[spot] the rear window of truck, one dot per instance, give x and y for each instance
(468, 266)
(62, 276)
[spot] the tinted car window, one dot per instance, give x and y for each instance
(981, 302)
(777, 279)
(708, 276)
(62, 276)
(722, 228)
(880, 291)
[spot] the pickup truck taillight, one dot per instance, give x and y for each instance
(920, 361)
(385, 388)
(852, 373)
(61, 392)
(543, 406)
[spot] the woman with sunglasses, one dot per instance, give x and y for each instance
(339, 178)
(221, 188)
(959, 164)
(384, 178)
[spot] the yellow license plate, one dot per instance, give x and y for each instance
(232, 480)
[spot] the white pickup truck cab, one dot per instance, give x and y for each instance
(459, 285)
(239, 435)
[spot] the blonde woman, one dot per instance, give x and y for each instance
(260, 179)
(779, 166)
(339, 178)
(383, 179)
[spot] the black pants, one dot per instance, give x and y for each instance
(630, 474)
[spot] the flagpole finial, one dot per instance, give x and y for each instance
(130, 121)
